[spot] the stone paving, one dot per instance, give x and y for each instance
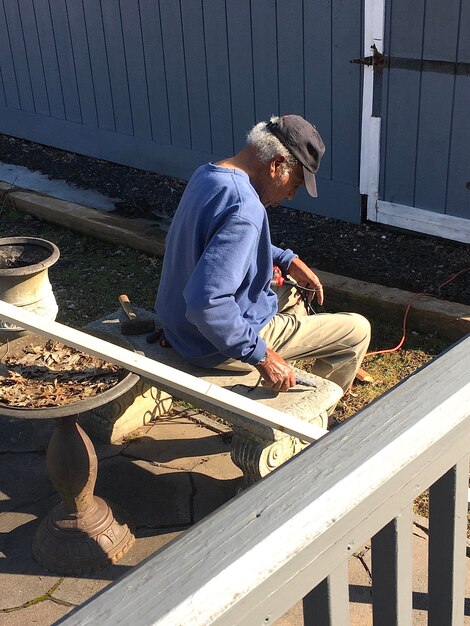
(168, 475)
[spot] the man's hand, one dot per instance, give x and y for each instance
(276, 373)
(303, 275)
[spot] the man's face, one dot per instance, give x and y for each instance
(282, 183)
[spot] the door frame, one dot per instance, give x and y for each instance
(389, 213)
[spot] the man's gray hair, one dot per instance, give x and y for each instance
(268, 146)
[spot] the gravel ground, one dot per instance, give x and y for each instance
(367, 252)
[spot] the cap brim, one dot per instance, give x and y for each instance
(310, 182)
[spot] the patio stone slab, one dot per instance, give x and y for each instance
(177, 442)
(40, 614)
(152, 495)
(23, 480)
(24, 435)
(22, 579)
(211, 490)
(77, 590)
(20, 589)
(146, 545)
(360, 594)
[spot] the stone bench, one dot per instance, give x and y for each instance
(256, 448)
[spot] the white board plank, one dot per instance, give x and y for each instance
(160, 373)
(422, 221)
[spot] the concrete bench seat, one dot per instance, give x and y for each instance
(256, 448)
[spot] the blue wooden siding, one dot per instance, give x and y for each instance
(426, 130)
(166, 85)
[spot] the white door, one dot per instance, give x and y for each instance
(415, 151)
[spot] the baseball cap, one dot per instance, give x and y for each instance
(304, 142)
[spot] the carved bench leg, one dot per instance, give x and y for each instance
(256, 459)
(112, 422)
(257, 455)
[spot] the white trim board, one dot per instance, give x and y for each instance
(374, 20)
(161, 373)
(421, 221)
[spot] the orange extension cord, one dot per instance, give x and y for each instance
(362, 374)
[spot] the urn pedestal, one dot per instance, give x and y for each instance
(83, 533)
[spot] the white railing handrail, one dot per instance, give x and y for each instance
(266, 549)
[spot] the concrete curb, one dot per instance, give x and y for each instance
(141, 235)
(449, 319)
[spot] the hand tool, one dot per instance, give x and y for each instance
(278, 280)
(364, 376)
(307, 383)
(134, 325)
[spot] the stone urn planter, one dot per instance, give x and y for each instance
(24, 278)
(83, 533)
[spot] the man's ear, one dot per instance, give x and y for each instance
(275, 164)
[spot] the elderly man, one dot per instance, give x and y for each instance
(215, 299)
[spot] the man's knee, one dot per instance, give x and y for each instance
(361, 327)
(355, 328)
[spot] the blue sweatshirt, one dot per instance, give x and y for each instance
(214, 294)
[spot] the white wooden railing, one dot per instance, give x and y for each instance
(290, 536)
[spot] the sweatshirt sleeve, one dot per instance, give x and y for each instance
(283, 258)
(209, 293)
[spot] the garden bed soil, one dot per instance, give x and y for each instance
(369, 252)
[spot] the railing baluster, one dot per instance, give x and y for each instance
(447, 546)
(328, 603)
(392, 560)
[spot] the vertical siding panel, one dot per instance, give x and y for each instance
(263, 14)
(317, 75)
(346, 111)
(66, 61)
(441, 27)
(117, 66)
(133, 48)
(401, 124)
(175, 69)
(20, 61)
(196, 75)
(241, 67)
(34, 56)
(2, 89)
(96, 44)
(290, 57)
(458, 194)
(218, 75)
(81, 55)
(156, 80)
(49, 56)
(12, 98)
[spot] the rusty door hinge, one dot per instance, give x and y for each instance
(377, 59)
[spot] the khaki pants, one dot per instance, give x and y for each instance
(337, 341)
